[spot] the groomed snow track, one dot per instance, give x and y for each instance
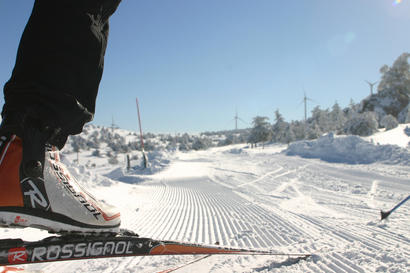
(270, 201)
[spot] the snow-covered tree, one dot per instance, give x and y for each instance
(113, 160)
(78, 143)
(389, 122)
(279, 128)
(149, 145)
(96, 153)
(261, 131)
(184, 146)
(313, 131)
(299, 129)
(337, 118)
(229, 139)
(117, 144)
(289, 134)
(393, 91)
(354, 106)
(397, 77)
(201, 143)
(364, 124)
(321, 118)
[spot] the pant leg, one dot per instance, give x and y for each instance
(59, 65)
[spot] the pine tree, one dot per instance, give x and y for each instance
(393, 91)
(337, 118)
(321, 119)
(279, 128)
(313, 131)
(261, 131)
(299, 129)
(397, 77)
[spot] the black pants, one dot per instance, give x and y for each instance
(59, 66)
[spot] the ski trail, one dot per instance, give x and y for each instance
(263, 177)
(319, 210)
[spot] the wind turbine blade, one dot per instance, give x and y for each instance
(312, 100)
(243, 121)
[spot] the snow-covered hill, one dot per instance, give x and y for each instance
(258, 198)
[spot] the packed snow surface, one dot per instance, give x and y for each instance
(259, 198)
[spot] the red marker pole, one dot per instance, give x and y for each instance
(144, 156)
(139, 121)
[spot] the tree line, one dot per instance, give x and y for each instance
(385, 109)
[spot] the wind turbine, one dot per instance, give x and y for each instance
(236, 118)
(113, 125)
(371, 86)
(305, 100)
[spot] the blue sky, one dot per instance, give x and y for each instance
(192, 63)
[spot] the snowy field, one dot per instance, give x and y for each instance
(288, 199)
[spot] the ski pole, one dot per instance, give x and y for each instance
(385, 214)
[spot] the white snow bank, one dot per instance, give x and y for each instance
(350, 150)
(396, 136)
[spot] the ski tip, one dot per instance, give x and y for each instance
(384, 215)
(9, 269)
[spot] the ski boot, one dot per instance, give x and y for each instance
(36, 189)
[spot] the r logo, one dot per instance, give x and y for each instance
(17, 255)
(36, 197)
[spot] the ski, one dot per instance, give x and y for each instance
(9, 269)
(78, 247)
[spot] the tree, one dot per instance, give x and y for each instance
(299, 129)
(313, 131)
(261, 130)
(321, 119)
(184, 146)
(389, 122)
(397, 77)
(201, 143)
(289, 134)
(364, 124)
(407, 116)
(96, 153)
(113, 160)
(280, 128)
(337, 118)
(393, 91)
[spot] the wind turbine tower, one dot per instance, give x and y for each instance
(305, 99)
(236, 118)
(113, 125)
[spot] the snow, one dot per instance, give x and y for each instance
(395, 136)
(349, 150)
(325, 199)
